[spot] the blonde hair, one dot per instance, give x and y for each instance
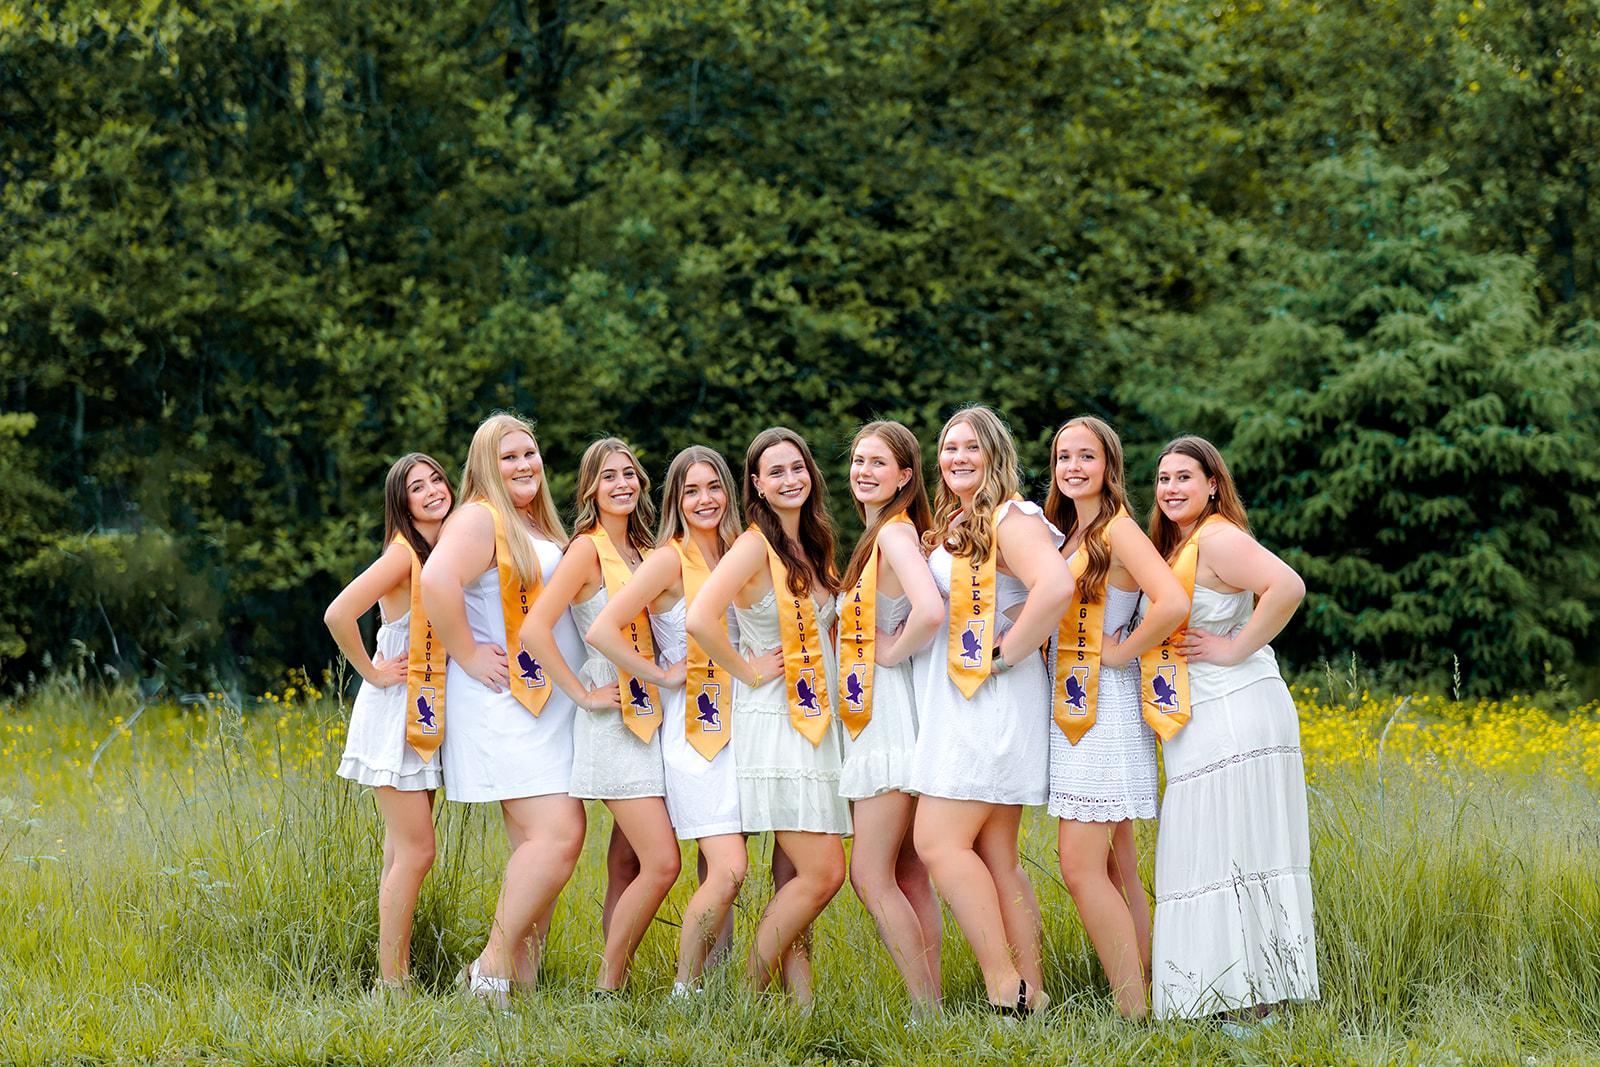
(1165, 534)
(480, 480)
(1063, 513)
(673, 524)
(975, 537)
(587, 510)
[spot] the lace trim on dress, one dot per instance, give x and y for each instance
(1237, 882)
(791, 773)
(1212, 768)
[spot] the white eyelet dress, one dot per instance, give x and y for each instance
(879, 760)
(1233, 924)
(609, 762)
(994, 748)
(1110, 774)
(494, 748)
(375, 749)
(785, 782)
(702, 794)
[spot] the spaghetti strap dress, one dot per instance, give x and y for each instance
(879, 759)
(702, 794)
(375, 749)
(609, 762)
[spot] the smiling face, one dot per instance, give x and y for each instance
(704, 498)
(1182, 489)
(782, 477)
(428, 497)
(521, 467)
(961, 460)
(618, 490)
(1080, 464)
(875, 477)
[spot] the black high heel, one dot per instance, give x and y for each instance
(1020, 1009)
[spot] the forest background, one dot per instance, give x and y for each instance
(252, 251)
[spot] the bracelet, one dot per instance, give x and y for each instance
(997, 662)
(757, 683)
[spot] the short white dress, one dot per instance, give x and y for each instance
(1110, 774)
(702, 794)
(609, 762)
(494, 748)
(879, 760)
(785, 782)
(1233, 925)
(994, 748)
(375, 749)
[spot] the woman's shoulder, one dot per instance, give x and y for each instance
(1028, 509)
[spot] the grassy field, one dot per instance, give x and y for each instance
(189, 883)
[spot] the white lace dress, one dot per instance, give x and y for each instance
(609, 762)
(375, 749)
(785, 782)
(995, 747)
(1233, 925)
(1110, 774)
(879, 760)
(702, 794)
(494, 748)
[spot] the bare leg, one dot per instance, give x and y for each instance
(1085, 856)
(794, 969)
(882, 824)
(723, 863)
(408, 851)
(818, 865)
(1019, 909)
(546, 834)
(622, 867)
(912, 876)
(1122, 867)
(644, 822)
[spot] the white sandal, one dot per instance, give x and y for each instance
(495, 992)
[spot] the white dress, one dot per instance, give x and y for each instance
(879, 760)
(785, 782)
(494, 748)
(995, 747)
(1110, 774)
(609, 762)
(1233, 921)
(702, 794)
(375, 749)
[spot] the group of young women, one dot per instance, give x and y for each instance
(709, 680)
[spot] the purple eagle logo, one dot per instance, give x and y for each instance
(530, 671)
(1077, 694)
(1165, 685)
(805, 689)
(972, 644)
(854, 694)
(639, 697)
(425, 717)
(706, 711)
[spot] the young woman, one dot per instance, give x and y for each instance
(616, 750)
(397, 724)
(779, 576)
(698, 523)
(1233, 885)
(984, 705)
(510, 736)
(890, 608)
(1103, 754)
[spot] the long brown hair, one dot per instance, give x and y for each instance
(912, 498)
(975, 537)
(397, 518)
(1164, 533)
(480, 480)
(673, 524)
(813, 564)
(1061, 511)
(587, 509)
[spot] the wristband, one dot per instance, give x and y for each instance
(997, 662)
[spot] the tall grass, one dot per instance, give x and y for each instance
(189, 883)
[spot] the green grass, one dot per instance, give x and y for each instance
(204, 892)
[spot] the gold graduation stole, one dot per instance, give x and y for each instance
(1078, 651)
(857, 643)
(971, 636)
(641, 700)
(805, 680)
(528, 681)
(1165, 674)
(424, 671)
(705, 689)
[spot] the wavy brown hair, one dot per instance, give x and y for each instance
(1164, 533)
(912, 498)
(480, 480)
(586, 510)
(1060, 509)
(975, 537)
(813, 564)
(397, 508)
(673, 522)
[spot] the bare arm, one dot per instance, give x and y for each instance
(1025, 543)
(899, 550)
(1240, 560)
(578, 567)
(1168, 606)
(740, 566)
(465, 550)
(657, 574)
(343, 616)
